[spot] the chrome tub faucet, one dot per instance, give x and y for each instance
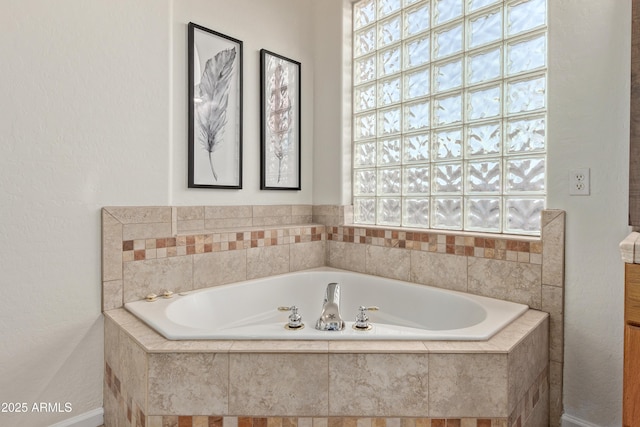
(330, 319)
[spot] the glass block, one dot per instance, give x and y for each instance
(448, 145)
(390, 91)
(416, 180)
(447, 76)
(484, 103)
(527, 55)
(389, 61)
(526, 95)
(364, 13)
(484, 66)
(526, 15)
(416, 116)
(447, 41)
(447, 177)
(526, 135)
(483, 176)
(364, 210)
(364, 42)
(389, 152)
(389, 181)
(448, 110)
(447, 213)
(523, 215)
(482, 214)
(365, 97)
(389, 211)
(364, 126)
(415, 213)
(484, 139)
(417, 83)
(389, 121)
(417, 52)
(365, 182)
(525, 175)
(446, 10)
(416, 148)
(364, 69)
(390, 30)
(387, 7)
(486, 28)
(416, 20)
(410, 2)
(474, 5)
(365, 154)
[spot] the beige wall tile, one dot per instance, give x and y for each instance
(307, 255)
(511, 281)
(276, 384)
(468, 385)
(378, 385)
(186, 213)
(267, 261)
(185, 226)
(112, 294)
(555, 393)
(140, 214)
(112, 345)
(223, 212)
(387, 262)
(218, 268)
(540, 415)
(133, 369)
(188, 383)
(553, 248)
(553, 303)
(111, 247)
(347, 256)
(527, 361)
(146, 231)
(157, 275)
(441, 270)
(223, 223)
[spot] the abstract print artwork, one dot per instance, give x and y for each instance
(215, 109)
(280, 122)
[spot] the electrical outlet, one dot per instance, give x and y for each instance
(579, 184)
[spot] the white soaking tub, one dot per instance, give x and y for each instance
(248, 310)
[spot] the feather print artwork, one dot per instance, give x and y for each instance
(211, 97)
(279, 118)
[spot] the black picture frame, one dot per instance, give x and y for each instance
(215, 109)
(280, 122)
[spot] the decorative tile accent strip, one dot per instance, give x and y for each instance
(480, 247)
(144, 249)
(531, 398)
(216, 421)
(135, 416)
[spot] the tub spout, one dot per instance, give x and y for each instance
(330, 319)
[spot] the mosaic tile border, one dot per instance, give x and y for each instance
(144, 249)
(479, 247)
(530, 400)
(217, 421)
(135, 416)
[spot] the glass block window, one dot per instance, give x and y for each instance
(450, 114)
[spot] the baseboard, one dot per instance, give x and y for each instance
(93, 418)
(569, 421)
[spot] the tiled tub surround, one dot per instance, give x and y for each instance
(151, 381)
(523, 269)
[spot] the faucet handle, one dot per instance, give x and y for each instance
(295, 320)
(362, 320)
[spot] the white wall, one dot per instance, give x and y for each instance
(589, 62)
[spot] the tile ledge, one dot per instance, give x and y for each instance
(248, 229)
(628, 247)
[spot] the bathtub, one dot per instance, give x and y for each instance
(248, 310)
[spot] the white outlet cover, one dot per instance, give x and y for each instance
(580, 182)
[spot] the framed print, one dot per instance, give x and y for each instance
(280, 122)
(215, 109)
